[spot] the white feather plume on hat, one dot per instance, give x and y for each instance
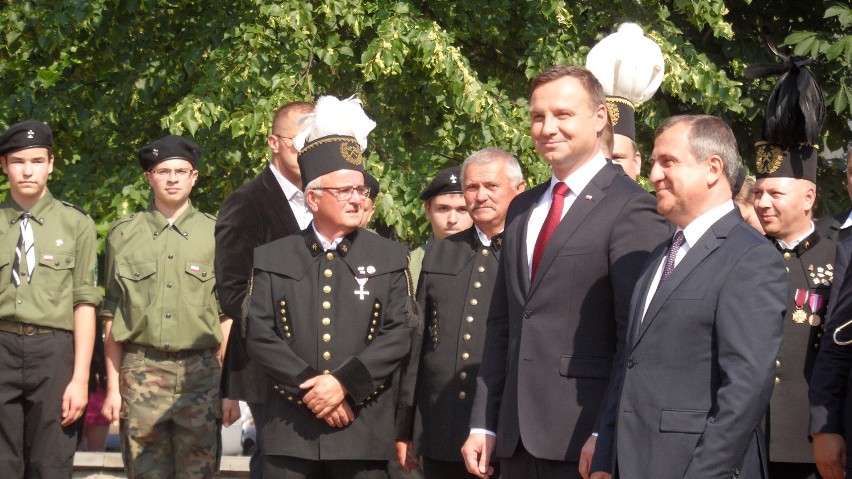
(335, 117)
(628, 64)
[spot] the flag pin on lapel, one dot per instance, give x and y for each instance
(588, 197)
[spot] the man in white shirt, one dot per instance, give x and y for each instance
(573, 249)
(688, 396)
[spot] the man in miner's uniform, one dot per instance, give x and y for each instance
(329, 313)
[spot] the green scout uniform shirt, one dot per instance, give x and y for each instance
(160, 281)
(65, 249)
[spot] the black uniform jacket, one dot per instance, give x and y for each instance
(456, 283)
(344, 312)
(811, 269)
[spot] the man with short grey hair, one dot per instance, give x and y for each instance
(457, 280)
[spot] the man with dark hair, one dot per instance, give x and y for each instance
(164, 334)
(688, 396)
(48, 295)
(267, 208)
(455, 290)
(445, 209)
(573, 249)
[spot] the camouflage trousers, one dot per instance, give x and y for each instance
(171, 414)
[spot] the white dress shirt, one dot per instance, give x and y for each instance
(295, 197)
(691, 234)
(576, 183)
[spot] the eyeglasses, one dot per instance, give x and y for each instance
(344, 193)
(180, 173)
(283, 137)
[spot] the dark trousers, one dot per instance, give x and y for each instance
(34, 372)
(286, 467)
(256, 461)
(793, 470)
(435, 469)
(523, 465)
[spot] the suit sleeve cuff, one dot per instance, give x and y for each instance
(479, 430)
(356, 378)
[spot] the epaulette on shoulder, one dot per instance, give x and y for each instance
(120, 221)
(72, 205)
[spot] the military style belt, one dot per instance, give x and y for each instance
(154, 353)
(15, 327)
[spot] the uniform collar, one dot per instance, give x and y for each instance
(158, 223)
(495, 243)
(14, 212)
(803, 245)
(316, 245)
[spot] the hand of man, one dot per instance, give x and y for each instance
(600, 475)
(830, 455)
(586, 456)
(406, 457)
(476, 452)
(340, 417)
(74, 402)
(326, 393)
(230, 411)
(112, 406)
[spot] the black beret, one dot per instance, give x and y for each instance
(26, 134)
(171, 147)
(446, 181)
(621, 115)
(327, 154)
(371, 182)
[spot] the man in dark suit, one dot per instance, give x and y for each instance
(456, 284)
(830, 390)
(268, 207)
(559, 309)
(705, 325)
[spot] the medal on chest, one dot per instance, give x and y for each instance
(799, 315)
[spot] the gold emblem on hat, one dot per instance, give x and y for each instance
(769, 158)
(614, 116)
(351, 152)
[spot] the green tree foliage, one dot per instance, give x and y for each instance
(441, 78)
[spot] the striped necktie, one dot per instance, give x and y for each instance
(24, 248)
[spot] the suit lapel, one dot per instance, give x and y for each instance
(278, 203)
(583, 205)
(708, 243)
(519, 232)
(641, 291)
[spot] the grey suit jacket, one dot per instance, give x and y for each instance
(550, 344)
(688, 399)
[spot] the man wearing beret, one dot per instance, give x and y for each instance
(163, 328)
(267, 208)
(329, 313)
(446, 210)
(48, 295)
(371, 182)
(458, 278)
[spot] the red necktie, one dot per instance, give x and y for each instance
(554, 215)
